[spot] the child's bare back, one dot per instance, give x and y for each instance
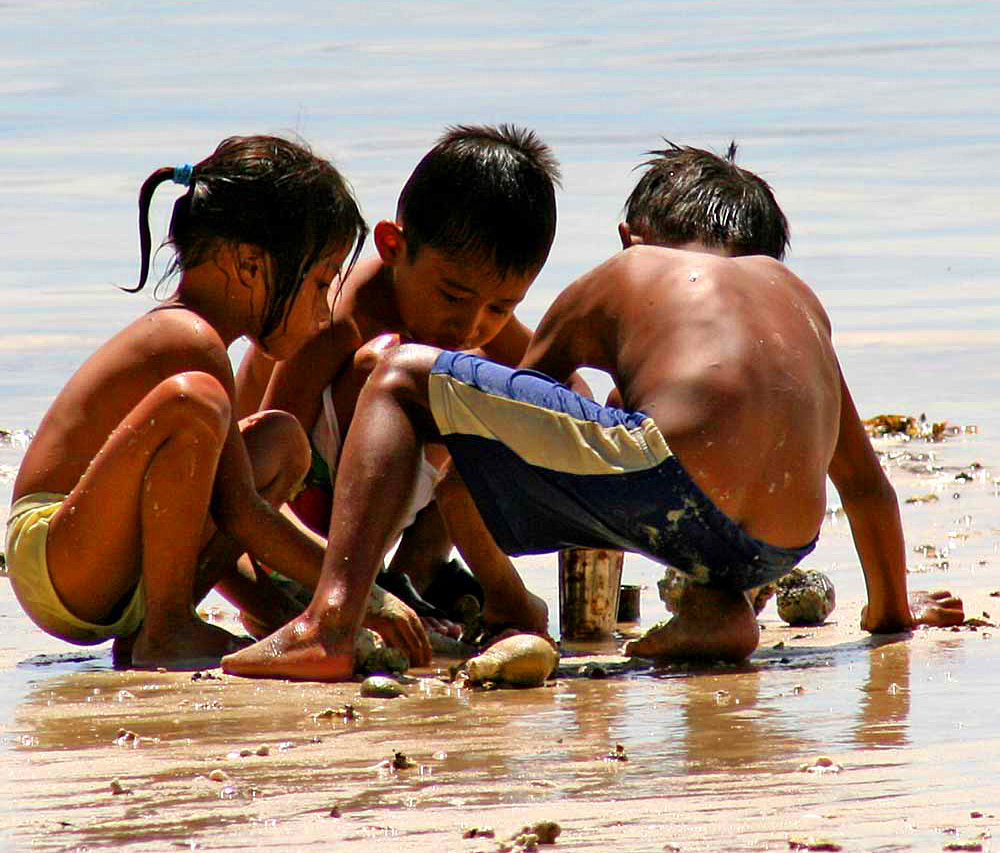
(732, 358)
(166, 342)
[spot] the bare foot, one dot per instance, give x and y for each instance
(190, 646)
(709, 625)
(300, 650)
(529, 614)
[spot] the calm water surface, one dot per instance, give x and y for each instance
(876, 124)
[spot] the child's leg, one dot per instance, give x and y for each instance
(139, 511)
(508, 603)
(375, 477)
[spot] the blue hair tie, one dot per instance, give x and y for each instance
(182, 174)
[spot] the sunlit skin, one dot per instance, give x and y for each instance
(427, 296)
(732, 358)
(144, 442)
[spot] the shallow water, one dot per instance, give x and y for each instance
(875, 124)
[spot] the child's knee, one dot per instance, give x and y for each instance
(402, 371)
(280, 433)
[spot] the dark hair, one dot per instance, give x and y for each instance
(485, 192)
(689, 194)
(266, 192)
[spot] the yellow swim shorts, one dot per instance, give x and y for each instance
(27, 531)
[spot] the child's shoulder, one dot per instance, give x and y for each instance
(170, 338)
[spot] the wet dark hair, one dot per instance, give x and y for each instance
(690, 194)
(486, 193)
(266, 192)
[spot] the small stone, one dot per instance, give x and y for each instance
(372, 656)
(218, 775)
(547, 831)
(478, 832)
(381, 687)
(813, 844)
(117, 788)
(760, 596)
(263, 749)
(400, 761)
(618, 754)
(127, 738)
(805, 597)
(823, 764)
(671, 587)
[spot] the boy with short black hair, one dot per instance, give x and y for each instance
(689, 195)
(473, 227)
(734, 414)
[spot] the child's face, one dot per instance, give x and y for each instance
(452, 302)
(309, 311)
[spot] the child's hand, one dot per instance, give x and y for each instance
(397, 624)
(368, 355)
(939, 608)
(525, 614)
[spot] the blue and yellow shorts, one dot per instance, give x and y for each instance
(550, 469)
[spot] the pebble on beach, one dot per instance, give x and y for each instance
(372, 656)
(381, 687)
(805, 597)
(822, 764)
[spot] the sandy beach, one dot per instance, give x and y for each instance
(827, 738)
(877, 127)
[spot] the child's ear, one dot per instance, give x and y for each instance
(251, 261)
(627, 237)
(389, 242)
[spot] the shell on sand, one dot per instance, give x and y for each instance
(524, 660)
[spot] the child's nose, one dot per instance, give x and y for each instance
(461, 327)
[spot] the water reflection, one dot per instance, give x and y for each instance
(883, 714)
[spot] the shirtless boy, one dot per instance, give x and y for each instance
(734, 414)
(473, 226)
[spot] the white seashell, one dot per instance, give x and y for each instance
(524, 660)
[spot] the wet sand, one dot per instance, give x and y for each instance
(720, 758)
(714, 756)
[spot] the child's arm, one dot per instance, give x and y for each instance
(297, 384)
(260, 529)
(873, 512)
(565, 338)
(252, 377)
